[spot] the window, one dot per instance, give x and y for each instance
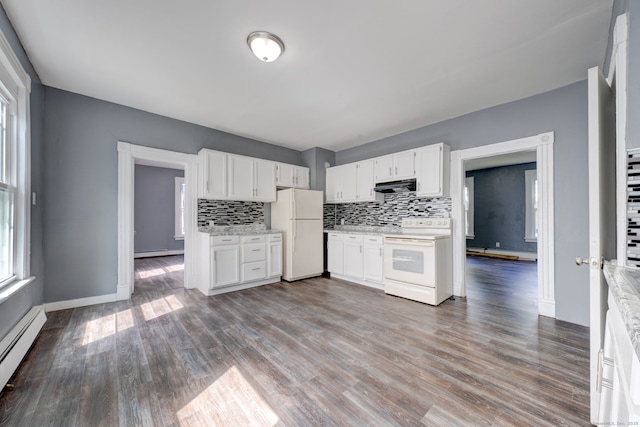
(15, 187)
(468, 207)
(531, 205)
(179, 199)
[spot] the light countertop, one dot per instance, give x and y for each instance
(237, 230)
(624, 284)
(362, 229)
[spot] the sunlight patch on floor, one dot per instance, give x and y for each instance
(229, 401)
(145, 274)
(160, 307)
(107, 326)
(174, 267)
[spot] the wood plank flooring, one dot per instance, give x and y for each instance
(314, 352)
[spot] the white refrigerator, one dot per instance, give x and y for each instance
(298, 214)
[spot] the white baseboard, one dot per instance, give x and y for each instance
(123, 292)
(16, 344)
(547, 307)
(158, 253)
(80, 302)
(521, 255)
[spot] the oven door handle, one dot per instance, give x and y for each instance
(413, 242)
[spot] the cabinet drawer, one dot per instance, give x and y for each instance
(254, 252)
(224, 240)
(254, 239)
(354, 238)
(254, 271)
(336, 237)
(275, 237)
(372, 240)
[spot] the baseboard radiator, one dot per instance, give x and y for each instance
(18, 341)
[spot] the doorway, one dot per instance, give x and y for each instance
(501, 231)
(542, 145)
(128, 156)
(158, 227)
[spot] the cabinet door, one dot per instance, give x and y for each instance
(284, 175)
(364, 181)
(301, 178)
(332, 184)
(265, 181)
(225, 264)
(214, 174)
(348, 177)
(429, 171)
(384, 168)
(274, 261)
(335, 257)
(353, 260)
(404, 165)
(373, 263)
(241, 178)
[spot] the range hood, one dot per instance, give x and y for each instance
(396, 186)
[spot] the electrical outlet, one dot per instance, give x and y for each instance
(497, 244)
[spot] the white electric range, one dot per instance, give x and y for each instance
(418, 260)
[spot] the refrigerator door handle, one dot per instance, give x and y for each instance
(293, 243)
(295, 206)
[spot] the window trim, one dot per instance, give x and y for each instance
(469, 182)
(179, 208)
(16, 86)
(530, 176)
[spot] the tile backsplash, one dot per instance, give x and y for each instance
(228, 212)
(390, 213)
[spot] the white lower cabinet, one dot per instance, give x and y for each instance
(356, 257)
(239, 262)
(274, 256)
(353, 256)
(373, 259)
(620, 379)
(225, 261)
(335, 253)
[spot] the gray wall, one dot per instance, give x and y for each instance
(15, 307)
(499, 208)
(315, 158)
(563, 111)
(81, 164)
(154, 209)
(633, 77)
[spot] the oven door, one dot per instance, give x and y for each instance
(410, 260)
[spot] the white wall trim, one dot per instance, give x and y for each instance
(128, 155)
(618, 72)
(543, 145)
(80, 302)
(158, 253)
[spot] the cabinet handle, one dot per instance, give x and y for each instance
(255, 238)
(390, 174)
(255, 250)
(380, 251)
(207, 186)
(372, 240)
(396, 170)
(226, 240)
(360, 248)
(256, 269)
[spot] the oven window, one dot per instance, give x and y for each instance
(410, 261)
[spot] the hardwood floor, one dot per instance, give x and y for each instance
(314, 352)
(158, 273)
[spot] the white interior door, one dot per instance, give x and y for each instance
(602, 215)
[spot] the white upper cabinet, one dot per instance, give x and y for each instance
(395, 166)
(214, 174)
(292, 176)
(251, 179)
(433, 171)
(341, 184)
(365, 182)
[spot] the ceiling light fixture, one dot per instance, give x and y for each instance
(265, 46)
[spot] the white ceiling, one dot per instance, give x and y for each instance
(353, 71)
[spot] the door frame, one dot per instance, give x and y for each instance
(128, 155)
(542, 144)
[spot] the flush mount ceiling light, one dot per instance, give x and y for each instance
(265, 46)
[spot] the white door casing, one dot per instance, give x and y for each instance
(602, 216)
(128, 156)
(542, 144)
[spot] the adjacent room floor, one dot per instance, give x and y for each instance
(314, 352)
